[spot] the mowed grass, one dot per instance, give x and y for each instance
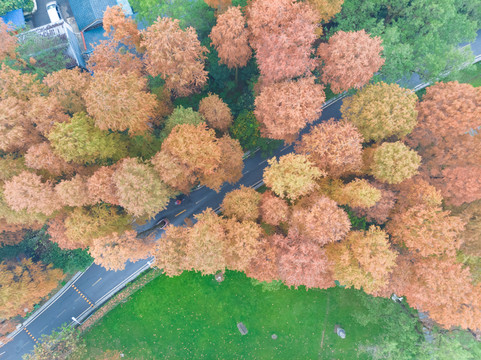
(194, 317)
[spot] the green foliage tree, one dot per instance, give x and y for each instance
(395, 162)
(420, 36)
(246, 129)
(63, 344)
(179, 116)
(9, 5)
(80, 141)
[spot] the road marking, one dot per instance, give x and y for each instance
(262, 162)
(201, 200)
(2, 353)
(44, 328)
(30, 334)
(180, 212)
(285, 147)
(60, 313)
(95, 283)
(82, 295)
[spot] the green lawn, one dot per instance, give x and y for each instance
(194, 317)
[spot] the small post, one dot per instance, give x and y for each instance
(339, 331)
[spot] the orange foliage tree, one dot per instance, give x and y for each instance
(320, 220)
(282, 33)
(303, 262)
(101, 186)
(363, 260)
(380, 212)
(120, 28)
(263, 265)
(292, 176)
(114, 250)
(470, 237)
(26, 191)
(216, 112)
(68, 87)
(176, 55)
(173, 172)
(242, 204)
(171, 250)
(119, 101)
(242, 243)
(350, 59)
(442, 288)
(41, 157)
(274, 210)
(382, 110)
(335, 147)
(427, 230)
(24, 284)
(395, 162)
(229, 37)
(139, 188)
(8, 41)
(109, 55)
(285, 108)
(220, 5)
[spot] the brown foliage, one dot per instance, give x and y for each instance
(350, 59)
(119, 101)
(304, 263)
(8, 41)
(335, 147)
(120, 28)
(41, 157)
(416, 191)
(14, 83)
(25, 284)
(326, 8)
(242, 204)
(74, 192)
(320, 220)
(176, 55)
(171, 250)
(68, 87)
(285, 108)
(58, 233)
(274, 210)
(101, 186)
(229, 37)
(44, 112)
(11, 234)
(114, 250)
(216, 112)
(107, 56)
(139, 188)
(460, 184)
(10, 166)
(363, 260)
(442, 288)
(26, 191)
(427, 230)
(471, 236)
(292, 176)
(282, 34)
(381, 110)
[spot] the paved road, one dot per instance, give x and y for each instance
(96, 281)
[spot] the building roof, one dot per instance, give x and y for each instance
(15, 17)
(87, 12)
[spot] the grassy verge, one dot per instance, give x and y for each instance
(194, 317)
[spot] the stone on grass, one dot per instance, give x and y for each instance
(242, 328)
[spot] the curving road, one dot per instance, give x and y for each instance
(94, 286)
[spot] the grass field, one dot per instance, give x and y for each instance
(194, 317)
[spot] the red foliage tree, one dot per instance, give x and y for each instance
(101, 186)
(304, 263)
(27, 192)
(350, 59)
(380, 212)
(229, 37)
(285, 108)
(319, 220)
(335, 147)
(176, 55)
(41, 157)
(274, 210)
(263, 266)
(282, 34)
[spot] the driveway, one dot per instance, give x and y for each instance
(40, 17)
